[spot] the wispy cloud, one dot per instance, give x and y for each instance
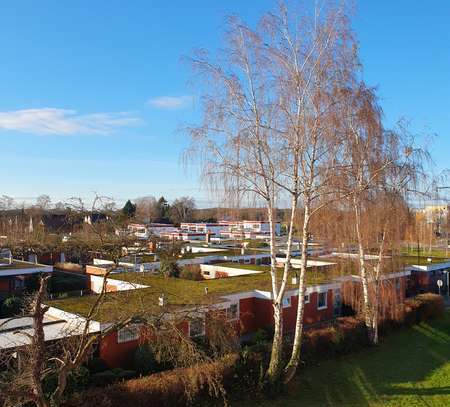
(65, 121)
(171, 102)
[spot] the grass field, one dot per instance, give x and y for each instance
(424, 252)
(410, 368)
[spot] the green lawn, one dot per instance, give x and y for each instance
(410, 368)
(422, 261)
(424, 252)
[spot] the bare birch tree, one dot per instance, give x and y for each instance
(315, 57)
(382, 166)
(271, 104)
(239, 148)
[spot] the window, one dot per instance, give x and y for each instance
(247, 261)
(397, 284)
(307, 299)
(322, 300)
(233, 311)
(196, 327)
(18, 284)
(286, 302)
(128, 333)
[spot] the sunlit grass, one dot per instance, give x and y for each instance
(410, 368)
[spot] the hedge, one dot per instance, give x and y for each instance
(423, 307)
(170, 388)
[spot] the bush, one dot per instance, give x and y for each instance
(172, 388)
(103, 378)
(423, 307)
(144, 361)
(112, 375)
(78, 379)
(262, 335)
(254, 244)
(169, 268)
(11, 306)
(62, 283)
(321, 342)
(191, 272)
(97, 365)
(126, 374)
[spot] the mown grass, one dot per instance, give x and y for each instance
(421, 261)
(410, 368)
(442, 253)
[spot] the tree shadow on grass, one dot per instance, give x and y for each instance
(403, 367)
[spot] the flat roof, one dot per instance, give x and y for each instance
(181, 293)
(18, 267)
(178, 293)
(15, 332)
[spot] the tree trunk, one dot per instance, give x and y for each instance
(274, 369)
(38, 345)
(363, 270)
(273, 372)
(292, 365)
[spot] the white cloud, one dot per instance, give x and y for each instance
(171, 102)
(64, 121)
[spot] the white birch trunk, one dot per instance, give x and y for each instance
(363, 269)
(291, 367)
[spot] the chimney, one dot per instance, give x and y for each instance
(161, 300)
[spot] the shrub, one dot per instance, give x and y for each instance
(103, 378)
(97, 365)
(423, 307)
(249, 368)
(60, 284)
(191, 272)
(78, 379)
(11, 306)
(144, 361)
(172, 388)
(254, 244)
(112, 375)
(126, 374)
(262, 335)
(169, 267)
(353, 334)
(320, 342)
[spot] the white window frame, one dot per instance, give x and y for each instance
(326, 300)
(307, 298)
(233, 317)
(202, 333)
(128, 333)
(287, 302)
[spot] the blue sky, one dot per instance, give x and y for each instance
(93, 92)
